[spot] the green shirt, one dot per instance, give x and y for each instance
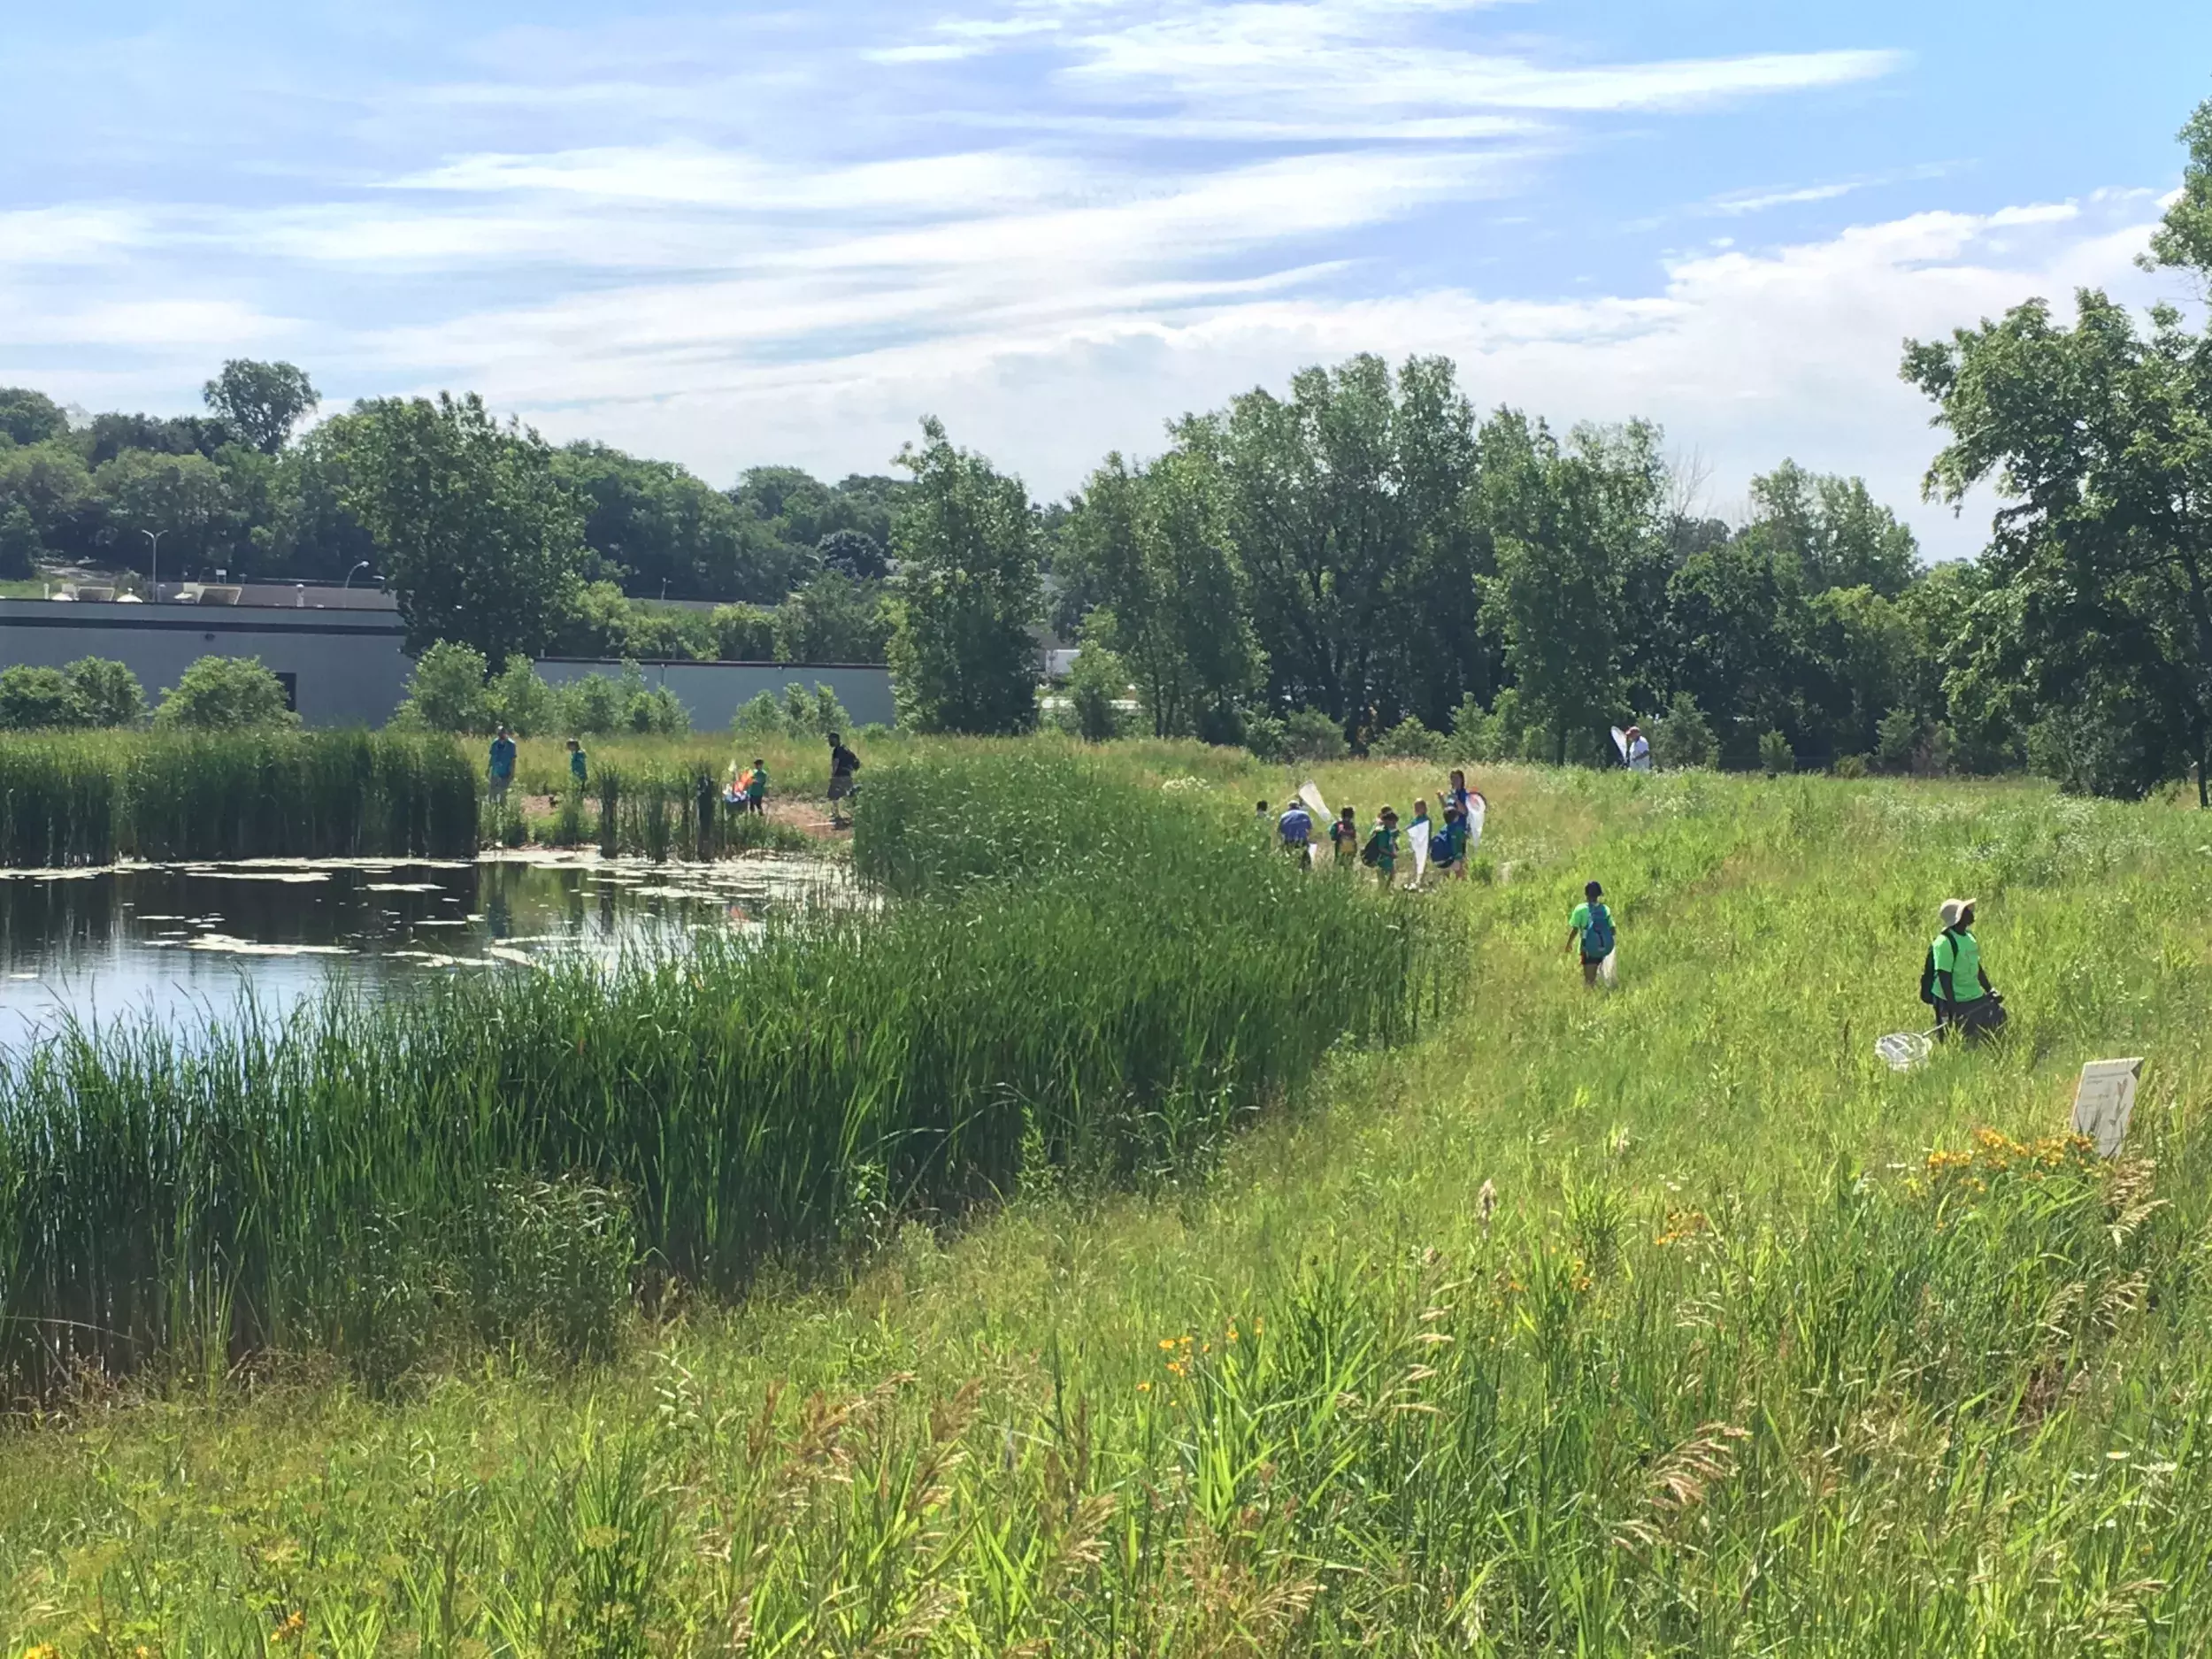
(1386, 842)
(1958, 955)
(756, 786)
(1580, 922)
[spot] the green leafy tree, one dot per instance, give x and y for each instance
(966, 595)
(481, 542)
(1835, 530)
(35, 698)
(834, 619)
(519, 700)
(2096, 435)
(19, 542)
(854, 553)
(263, 402)
(663, 532)
(743, 633)
(110, 692)
(27, 417)
(1682, 738)
(224, 693)
(176, 497)
(1570, 523)
(445, 690)
(1098, 681)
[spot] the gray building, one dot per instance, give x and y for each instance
(340, 656)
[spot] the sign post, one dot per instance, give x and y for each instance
(2105, 1102)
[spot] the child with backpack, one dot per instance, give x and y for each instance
(1591, 927)
(1380, 854)
(1344, 838)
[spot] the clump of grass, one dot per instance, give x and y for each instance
(802, 1090)
(92, 797)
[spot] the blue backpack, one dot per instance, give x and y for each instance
(1597, 937)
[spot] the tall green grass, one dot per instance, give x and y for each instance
(92, 797)
(241, 1189)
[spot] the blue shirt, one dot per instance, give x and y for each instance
(503, 757)
(1296, 826)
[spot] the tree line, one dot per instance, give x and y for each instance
(242, 490)
(1361, 560)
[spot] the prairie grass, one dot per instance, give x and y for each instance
(1666, 1321)
(82, 798)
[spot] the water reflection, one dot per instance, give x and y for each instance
(189, 942)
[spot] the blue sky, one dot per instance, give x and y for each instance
(732, 235)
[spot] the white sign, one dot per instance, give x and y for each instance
(2105, 1102)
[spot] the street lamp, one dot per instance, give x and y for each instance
(154, 537)
(362, 565)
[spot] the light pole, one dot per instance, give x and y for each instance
(154, 537)
(362, 565)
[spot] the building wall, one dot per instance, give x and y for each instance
(348, 665)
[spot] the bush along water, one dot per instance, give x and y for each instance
(79, 798)
(323, 1183)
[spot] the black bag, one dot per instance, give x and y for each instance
(1370, 855)
(1928, 979)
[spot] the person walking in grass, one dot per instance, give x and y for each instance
(1589, 929)
(1295, 829)
(756, 788)
(1638, 749)
(1954, 981)
(843, 764)
(502, 763)
(1344, 838)
(579, 766)
(1380, 854)
(1419, 828)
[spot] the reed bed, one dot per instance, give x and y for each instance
(252, 1187)
(93, 797)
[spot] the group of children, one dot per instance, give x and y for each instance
(1448, 844)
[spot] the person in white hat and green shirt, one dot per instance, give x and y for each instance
(1954, 979)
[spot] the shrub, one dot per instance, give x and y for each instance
(743, 633)
(110, 693)
(518, 699)
(1897, 739)
(1775, 755)
(800, 712)
(445, 691)
(1409, 739)
(224, 694)
(1099, 678)
(1310, 735)
(32, 698)
(1682, 737)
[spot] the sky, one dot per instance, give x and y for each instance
(733, 236)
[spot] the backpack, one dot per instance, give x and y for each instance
(1597, 937)
(1928, 979)
(1370, 855)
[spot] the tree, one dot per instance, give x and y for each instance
(109, 692)
(2097, 436)
(1570, 522)
(224, 694)
(663, 532)
(27, 417)
(145, 493)
(1839, 535)
(743, 633)
(480, 541)
(34, 698)
(967, 593)
(834, 619)
(263, 402)
(19, 543)
(445, 691)
(853, 553)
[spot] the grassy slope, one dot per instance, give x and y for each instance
(1874, 1503)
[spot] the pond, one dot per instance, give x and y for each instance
(188, 943)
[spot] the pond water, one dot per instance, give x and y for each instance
(187, 943)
